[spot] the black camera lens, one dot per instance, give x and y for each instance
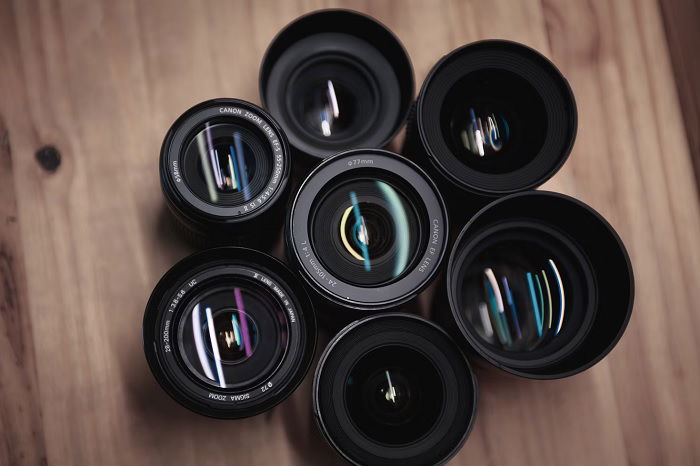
(367, 229)
(493, 117)
(394, 389)
(336, 80)
(229, 332)
(540, 285)
(224, 171)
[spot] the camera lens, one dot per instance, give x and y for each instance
(336, 80)
(493, 117)
(224, 170)
(394, 389)
(367, 229)
(229, 332)
(540, 285)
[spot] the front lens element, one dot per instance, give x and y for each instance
(232, 334)
(226, 163)
(375, 229)
(394, 395)
(514, 295)
(494, 121)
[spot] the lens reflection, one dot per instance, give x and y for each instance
(227, 163)
(226, 336)
(493, 121)
(220, 337)
(394, 394)
(373, 231)
(482, 134)
(515, 296)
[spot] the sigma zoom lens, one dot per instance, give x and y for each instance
(224, 168)
(394, 389)
(229, 332)
(367, 230)
(337, 80)
(492, 118)
(540, 285)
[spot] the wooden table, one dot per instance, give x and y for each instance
(94, 84)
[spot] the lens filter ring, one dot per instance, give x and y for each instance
(367, 229)
(224, 161)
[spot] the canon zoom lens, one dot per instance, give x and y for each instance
(394, 389)
(224, 169)
(367, 229)
(493, 117)
(540, 285)
(229, 332)
(337, 80)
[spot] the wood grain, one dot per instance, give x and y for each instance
(82, 245)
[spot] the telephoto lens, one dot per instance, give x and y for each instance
(492, 118)
(229, 332)
(367, 230)
(336, 80)
(224, 170)
(539, 285)
(394, 389)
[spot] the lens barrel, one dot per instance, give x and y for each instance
(539, 285)
(224, 170)
(367, 231)
(492, 118)
(229, 332)
(394, 389)
(337, 80)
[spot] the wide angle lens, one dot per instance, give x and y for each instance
(394, 389)
(367, 229)
(540, 285)
(337, 80)
(225, 166)
(229, 332)
(492, 118)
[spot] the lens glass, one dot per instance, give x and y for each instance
(394, 395)
(494, 121)
(227, 162)
(232, 333)
(523, 292)
(331, 100)
(367, 230)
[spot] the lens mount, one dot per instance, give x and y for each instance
(394, 389)
(540, 285)
(495, 117)
(367, 229)
(337, 79)
(224, 163)
(229, 332)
